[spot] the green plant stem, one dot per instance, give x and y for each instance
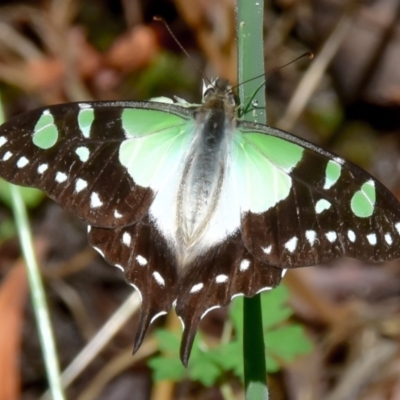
(252, 98)
(37, 295)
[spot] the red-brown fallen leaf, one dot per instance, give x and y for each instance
(133, 50)
(44, 72)
(12, 299)
(89, 60)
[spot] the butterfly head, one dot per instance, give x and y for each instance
(220, 89)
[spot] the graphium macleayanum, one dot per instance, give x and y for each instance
(193, 205)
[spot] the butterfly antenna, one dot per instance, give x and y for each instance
(308, 54)
(166, 26)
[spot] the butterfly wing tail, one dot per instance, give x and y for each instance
(211, 281)
(149, 267)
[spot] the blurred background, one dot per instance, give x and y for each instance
(346, 100)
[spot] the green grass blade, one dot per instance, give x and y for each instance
(252, 97)
(37, 294)
(36, 289)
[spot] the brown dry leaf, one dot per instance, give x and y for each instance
(12, 300)
(213, 24)
(134, 50)
(45, 73)
(366, 65)
(89, 60)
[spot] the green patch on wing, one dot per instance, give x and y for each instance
(332, 174)
(155, 144)
(85, 121)
(45, 132)
(363, 201)
(262, 165)
(140, 122)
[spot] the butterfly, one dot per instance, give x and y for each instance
(194, 205)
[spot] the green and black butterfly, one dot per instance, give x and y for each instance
(194, 205)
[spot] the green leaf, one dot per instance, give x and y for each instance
(31, 197)
(166, 368)
(288, 342)
(227, 355)
(285, 341)
(167, 341)
(275, 306)
(204, 369)
(7, 229)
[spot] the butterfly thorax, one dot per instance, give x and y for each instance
(204, 171)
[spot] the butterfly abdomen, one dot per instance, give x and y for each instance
(202, 180)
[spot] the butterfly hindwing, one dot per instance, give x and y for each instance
(318, 207)
(73, 152)
(147, 262)
(211, 281)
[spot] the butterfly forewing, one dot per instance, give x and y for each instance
(319, 207)
(73, 153)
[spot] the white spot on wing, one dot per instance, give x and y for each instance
(80, 185)
(339, 160)
(3, 140)
(61, 177)
(42, 168)
(89, 228)
(83, 153)
(331, 236)
(99, 251)
(82, 106)
(372, 239)
(291, 244)
(95, 201)
(182, 323)
(126, 239)
(22, 162)
(237, 295)
(162, 99)
(351, 235)
(311, 236)
(138, 291)
(264, 289)
(117, 214)
(322, 205)
(196, 288)
(141, 260)
(7, 156)
(208, 310)
(119, 267)
(159, 279)
(283, 273)
(244, 265)
(157, 315)
(398, 227)
(388, 238)
(221, 278)
(267, 250)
